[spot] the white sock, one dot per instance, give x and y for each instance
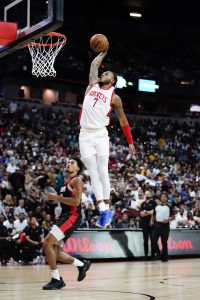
(102, 206)
(107, 206)
(77, 263)
(55, 274)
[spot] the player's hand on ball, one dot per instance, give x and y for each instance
(106, 50)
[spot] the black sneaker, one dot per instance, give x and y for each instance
(54, 284)
(146, 258)
(157, 257)
(164, 260)
(83, 270)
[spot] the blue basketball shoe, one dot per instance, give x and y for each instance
(107, 218)
(99, 222)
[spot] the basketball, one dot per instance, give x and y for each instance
(99, 42)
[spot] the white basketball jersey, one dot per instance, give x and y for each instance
(96, 108)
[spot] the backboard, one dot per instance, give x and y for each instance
(33, 17)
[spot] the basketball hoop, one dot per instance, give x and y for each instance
(44, 52)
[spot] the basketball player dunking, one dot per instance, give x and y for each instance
(99, 101)
(70, 219)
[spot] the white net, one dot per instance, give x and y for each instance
(44, 52)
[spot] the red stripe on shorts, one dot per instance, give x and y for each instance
(69, 223)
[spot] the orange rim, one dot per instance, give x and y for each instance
(48, 44)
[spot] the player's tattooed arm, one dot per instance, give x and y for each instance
(118, 107)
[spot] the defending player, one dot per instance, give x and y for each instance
(70, 220)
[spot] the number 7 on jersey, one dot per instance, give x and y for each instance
(95, 99)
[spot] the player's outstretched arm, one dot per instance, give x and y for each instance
(118, 107)
(94, 67)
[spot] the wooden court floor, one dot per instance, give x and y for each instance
(178, 279)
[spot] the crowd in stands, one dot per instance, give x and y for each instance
(35, 144)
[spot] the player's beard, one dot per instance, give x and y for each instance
(101, 83)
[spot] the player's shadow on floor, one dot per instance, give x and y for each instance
(122, 239)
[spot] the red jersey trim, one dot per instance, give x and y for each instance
(89, 90)
(111, 108)
(69, 223)
(111, 98)
(67, 183)
(80, 114)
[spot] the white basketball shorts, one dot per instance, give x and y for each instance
(94, 142)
